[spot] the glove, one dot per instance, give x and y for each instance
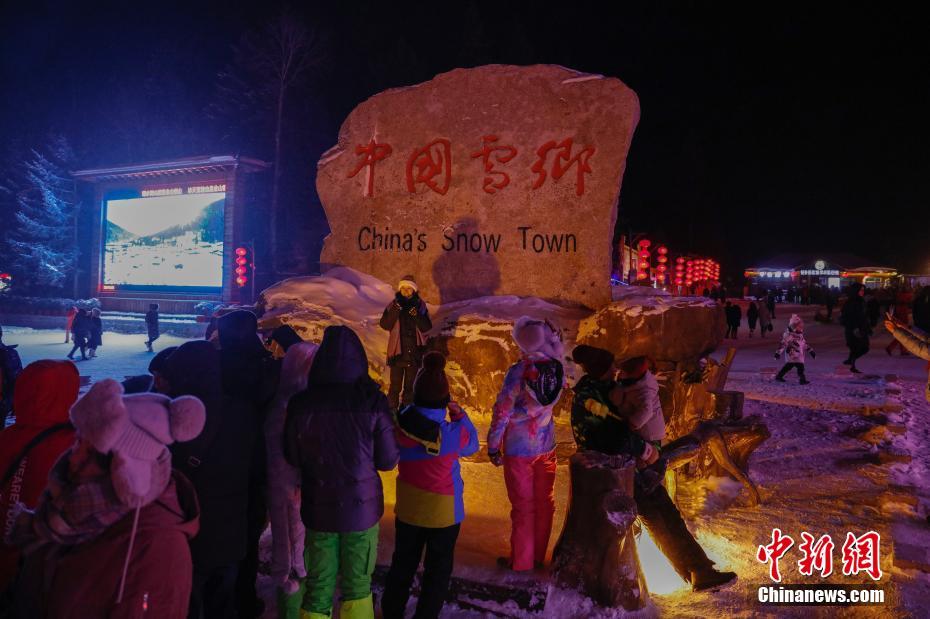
(776, 355)
(596, 408)
(496, 458)
(412, 311)
(395, 305)
(813, 355)
(649, 456)
(456, 412)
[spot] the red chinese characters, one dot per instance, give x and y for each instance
(431, 165)
(496, 179)
(371, 153)
(562, 162)
(817, 555)
(775, 551)
(861, 554)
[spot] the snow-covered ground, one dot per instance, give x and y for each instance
(846, 454)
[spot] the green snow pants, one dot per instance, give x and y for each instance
(351, 557)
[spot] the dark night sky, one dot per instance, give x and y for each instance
(795, 129)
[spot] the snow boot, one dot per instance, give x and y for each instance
(357, 609)
(780, 379)
(709, 579)
(148, 345)
(804, 381)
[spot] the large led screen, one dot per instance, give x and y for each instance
(165, 241)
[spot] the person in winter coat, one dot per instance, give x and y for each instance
(765, 318)
(902, 316)
(28, 448)
(922, 309)
(636, 397)
(153, 381)
(10, 367)
(856, 326)
(770, 303)
(734, 316)
(218, 463)
(597, 426)
(752, 317)
(250, 380)
(915, 342)
(793, 347)
(80, 330)
(151, 325)
(873, 309)
(288, 565)
(340, 433)
(109, 536)
(95, 337)
(521, 437)
(407, 321)
(69, 317)
(430, 505)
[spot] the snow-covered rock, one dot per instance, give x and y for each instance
(645, 321)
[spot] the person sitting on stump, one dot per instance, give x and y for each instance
(407, 321)
(430, 506)
(610, 434)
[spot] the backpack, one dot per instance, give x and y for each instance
(546, 380)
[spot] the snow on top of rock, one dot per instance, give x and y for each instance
(636, 300)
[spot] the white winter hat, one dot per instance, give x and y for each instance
(407, 281)
(795, 323)
(533, 335)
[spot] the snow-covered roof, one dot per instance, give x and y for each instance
(170, 167)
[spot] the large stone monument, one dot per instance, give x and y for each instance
(497, 180)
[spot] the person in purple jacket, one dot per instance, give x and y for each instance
(522, 438)
(340, 433)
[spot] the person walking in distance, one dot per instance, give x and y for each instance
(752, 316)
(856, 326)
(151, 325)
(80, 330)
(72, 312)
(95, 337)
(407, 321)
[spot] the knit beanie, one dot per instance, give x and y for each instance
(136, 429)
(595, 361)
(634, 368)
(409, 282)
(430, 387)
(795, 323)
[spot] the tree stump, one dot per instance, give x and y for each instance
(596, 551)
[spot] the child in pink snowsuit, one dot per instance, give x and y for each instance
(522, 424)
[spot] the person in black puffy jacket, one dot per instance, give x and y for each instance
(340, 433)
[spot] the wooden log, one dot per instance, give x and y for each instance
(596, 552)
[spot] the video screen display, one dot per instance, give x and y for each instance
(165, 241)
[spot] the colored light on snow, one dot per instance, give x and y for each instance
(661, 577)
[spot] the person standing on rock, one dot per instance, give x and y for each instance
(407, 321)
(522, 439)
(856, 326)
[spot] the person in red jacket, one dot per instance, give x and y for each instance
(44, 392)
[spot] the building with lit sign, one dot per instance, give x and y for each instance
(167, 231)
(823, 271)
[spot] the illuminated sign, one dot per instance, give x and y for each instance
(177, 191)
(820, 265)
(833, 272)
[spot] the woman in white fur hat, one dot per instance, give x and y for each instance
(109, 536)
(522, 439)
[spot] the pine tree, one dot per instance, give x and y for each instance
(41, 240)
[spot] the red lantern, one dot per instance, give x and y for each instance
(241, 251)
(241, 280)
